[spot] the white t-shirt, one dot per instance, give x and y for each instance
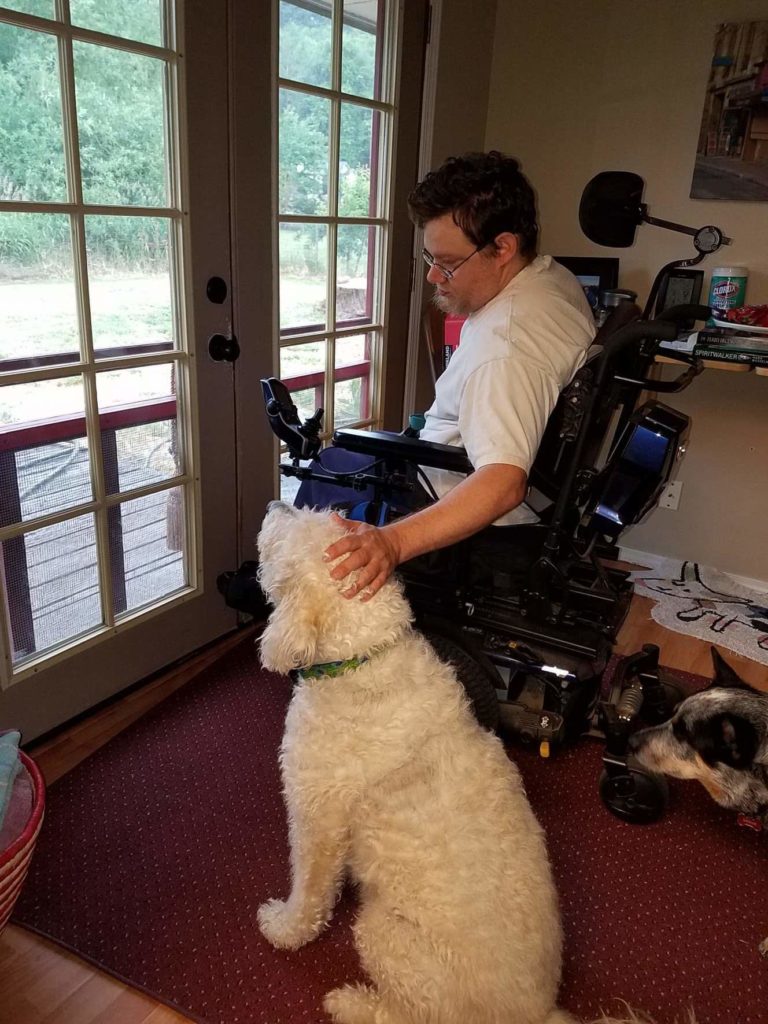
(516, 355)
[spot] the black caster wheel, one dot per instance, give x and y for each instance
(634, 795)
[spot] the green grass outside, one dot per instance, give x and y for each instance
(39, 318)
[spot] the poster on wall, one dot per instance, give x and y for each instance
(732, 153)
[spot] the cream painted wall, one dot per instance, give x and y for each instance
(465, 40)
(463, 76)
(581, 86)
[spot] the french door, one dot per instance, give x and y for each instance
(117, 431)
(344, 117)
(143, 213)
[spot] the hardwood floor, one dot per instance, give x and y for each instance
(679, 651)
(40, 983)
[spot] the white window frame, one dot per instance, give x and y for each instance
(387, 106)
(60, 28)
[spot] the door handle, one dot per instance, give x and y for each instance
(221, 348)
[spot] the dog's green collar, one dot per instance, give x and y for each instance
(331, 668)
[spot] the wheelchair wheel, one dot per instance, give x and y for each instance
(476, 681)
(634, 795)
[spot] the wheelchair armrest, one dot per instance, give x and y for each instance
(383, 444)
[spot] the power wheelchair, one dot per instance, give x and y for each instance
(530, 628)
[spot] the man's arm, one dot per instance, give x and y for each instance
(475, 503)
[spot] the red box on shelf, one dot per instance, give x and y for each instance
(451, 336)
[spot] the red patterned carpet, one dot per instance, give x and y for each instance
(158, 849)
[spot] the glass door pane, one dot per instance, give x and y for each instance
(123, 158)
(357, 197)
(31, 116)
(38, 295)
(41, 8)
(131, 271)
(353, 379)
(51, 582)
(44, 459)
(305, 42)
(139, 19)
(335, 147)
(303, 276)
(355, 272)
(118, 466)
(96, 468)
(361, 47)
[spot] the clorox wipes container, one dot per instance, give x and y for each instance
(728, 288)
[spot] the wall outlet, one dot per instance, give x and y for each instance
(670, 496)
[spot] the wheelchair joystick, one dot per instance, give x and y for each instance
(301, 439)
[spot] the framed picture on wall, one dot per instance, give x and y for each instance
(594, 272)
(732, 151)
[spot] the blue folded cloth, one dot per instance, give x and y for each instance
(10, 763)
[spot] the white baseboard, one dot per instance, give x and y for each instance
(646, 558)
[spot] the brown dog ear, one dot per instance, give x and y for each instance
(724, 674)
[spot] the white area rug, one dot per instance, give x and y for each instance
(703, 602)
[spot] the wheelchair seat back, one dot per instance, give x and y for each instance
(553, 457)
(625, 453)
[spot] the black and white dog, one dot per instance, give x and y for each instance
(718, 736)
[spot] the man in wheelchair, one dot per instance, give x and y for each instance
(525, 603)
(528, 330)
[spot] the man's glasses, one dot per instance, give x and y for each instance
(429, 259)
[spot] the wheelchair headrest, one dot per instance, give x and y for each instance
(611, 208)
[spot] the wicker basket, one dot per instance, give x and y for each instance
(15, 859)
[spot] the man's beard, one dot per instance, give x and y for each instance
(450, 305)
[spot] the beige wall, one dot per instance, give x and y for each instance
(581, 86)
(463, 77)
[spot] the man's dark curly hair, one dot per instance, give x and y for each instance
(487, 194)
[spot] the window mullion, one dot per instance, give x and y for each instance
(325, 93)
(338, 29)
(333, 210)
(77, 221)
(61, 25)
(330, 322)
(385, 187)
(69, 111)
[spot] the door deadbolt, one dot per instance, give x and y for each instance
(216, 289)
(223, 349)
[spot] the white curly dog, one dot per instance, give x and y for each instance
(388, 776)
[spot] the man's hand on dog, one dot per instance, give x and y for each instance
(374, 552)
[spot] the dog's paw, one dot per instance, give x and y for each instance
(282, 928)
(351, 1004)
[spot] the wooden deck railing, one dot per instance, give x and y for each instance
(22, 437)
